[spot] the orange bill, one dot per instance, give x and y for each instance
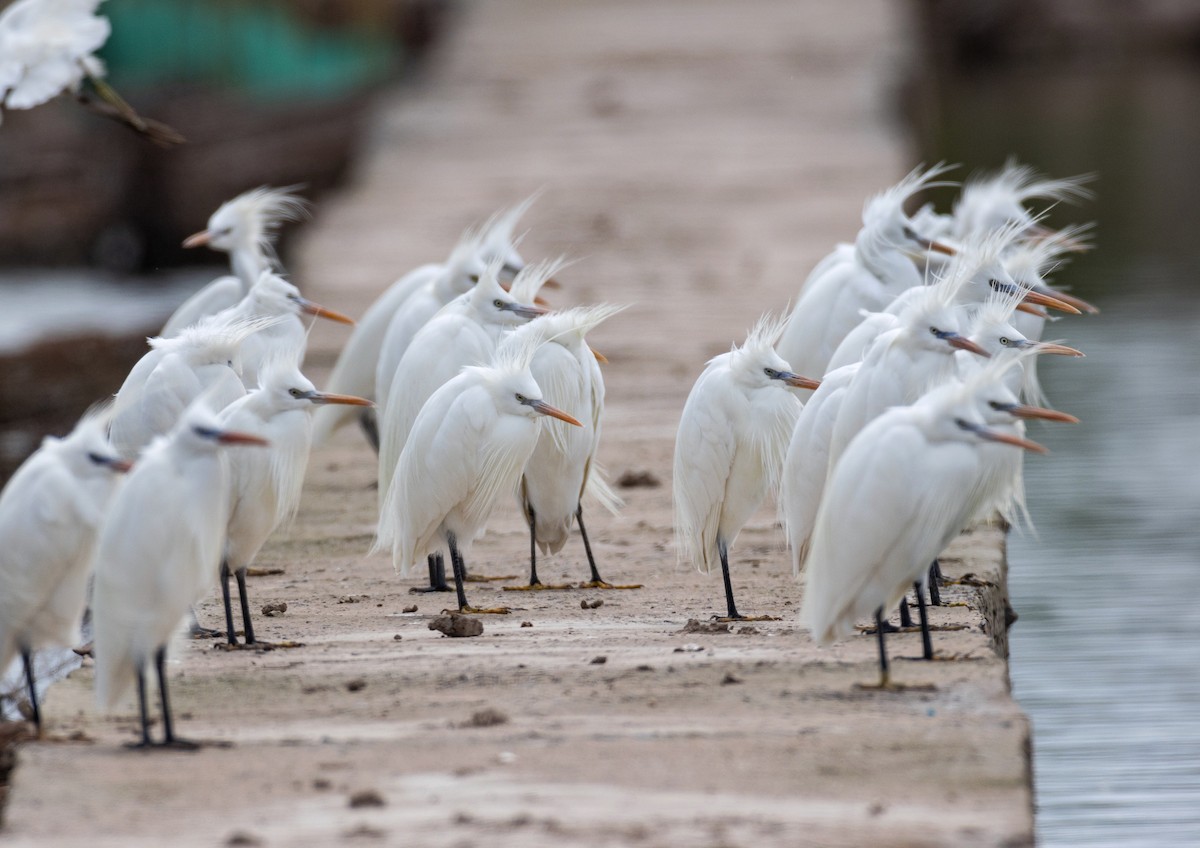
(198, 239)
(554, 412)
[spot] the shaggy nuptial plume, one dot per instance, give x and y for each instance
(730, 447)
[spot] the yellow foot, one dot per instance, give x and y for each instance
(601, 584)
(886, 685)
(477, 611)
(479, 578)
(538, 587)
(724, 619)
(254, 571)
(258, 646)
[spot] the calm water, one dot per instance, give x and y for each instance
(1106, 655)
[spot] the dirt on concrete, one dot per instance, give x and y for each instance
(698, 157)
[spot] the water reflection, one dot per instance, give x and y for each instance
(1106, 654)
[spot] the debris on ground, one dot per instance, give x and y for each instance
(586, 604)
(695, 625)
(487, 717)
(366, 798)
(270, 610)
(410, 608)
(600, 660)
(456, 624)
(638, 480)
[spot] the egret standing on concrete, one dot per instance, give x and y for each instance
(265, 484)
(893, 502)
(732, 438)
(50, 511)
(562, 468)
(159, 549)
(467, 449)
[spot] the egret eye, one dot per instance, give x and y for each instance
(294, 392)
(996, 405)
(935, 331)
(521, 398)
(498, 303)
(771, 372)
(1005, 340)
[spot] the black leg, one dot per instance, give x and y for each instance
(160, 661)
(905, 617)
(247, 624)
(31, 682)
(587, 546)
(733, 613)
(926, 640)
(883, 662)
(533, 578)
(370, 427)
(142, 711)
(437, 575)
(459, 570)
(229, 632)
(935, 578)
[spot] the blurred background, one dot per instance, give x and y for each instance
(280, 92)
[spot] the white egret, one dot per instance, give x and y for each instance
(489, 245)
(562, 468)
(467, 449)
(730, 446)
(245, 228)
(894, 501)
(806, 462)
(991, 201)
(464, 332)
(158, 550)
(265, 485)
(47, 48)
(204, 359)
(356, 367)
(904, 363)
(277, 301)
(866, 276)
(50, 510)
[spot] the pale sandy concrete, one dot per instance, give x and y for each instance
(698, 156)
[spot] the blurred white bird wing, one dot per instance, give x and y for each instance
(705, 448)
(167, 392)
(219, 295)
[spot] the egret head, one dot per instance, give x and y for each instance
(933, 320)
(252, 219)
(289, 389)
(989, 202)
(756, 363)
(886, 227)
(273, 295)
(995, 400)
(86, 449)
(493, 305)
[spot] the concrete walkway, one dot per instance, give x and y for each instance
(698, 157)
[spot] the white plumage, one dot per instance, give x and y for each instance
(158, 550)
(864, 277)
(46, 48)
(50, 511)
(203, 359)
(896, 498)
(562, 468)
(265, 484)
(358, 364)
(245, 228)
(465, 332)
(732, 438)
(467, 448)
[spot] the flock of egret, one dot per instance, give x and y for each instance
(471, 389)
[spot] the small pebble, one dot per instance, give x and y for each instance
(410, 608)
(586, 604)
(397, 638)
(356, 684)
(269, 610)
(600, 660)
(366, 798)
